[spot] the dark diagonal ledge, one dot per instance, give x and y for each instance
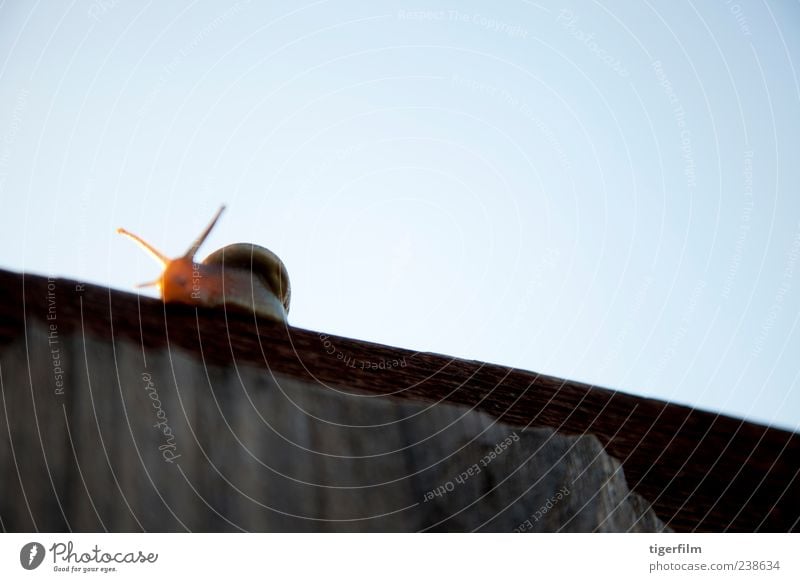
(700, 471)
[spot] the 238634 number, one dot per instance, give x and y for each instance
(758, 565)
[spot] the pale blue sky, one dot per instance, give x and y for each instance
(606, 192)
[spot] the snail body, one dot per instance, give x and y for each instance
(242, 275)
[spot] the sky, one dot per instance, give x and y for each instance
(601, 191)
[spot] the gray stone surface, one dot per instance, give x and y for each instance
(255, 451)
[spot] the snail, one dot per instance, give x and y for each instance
(242, 275)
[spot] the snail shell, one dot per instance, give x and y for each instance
(247, 268)
(240, 275)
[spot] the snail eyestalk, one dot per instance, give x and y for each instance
(203, 235)
(156, 254)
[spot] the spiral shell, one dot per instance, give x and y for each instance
(264, 270)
